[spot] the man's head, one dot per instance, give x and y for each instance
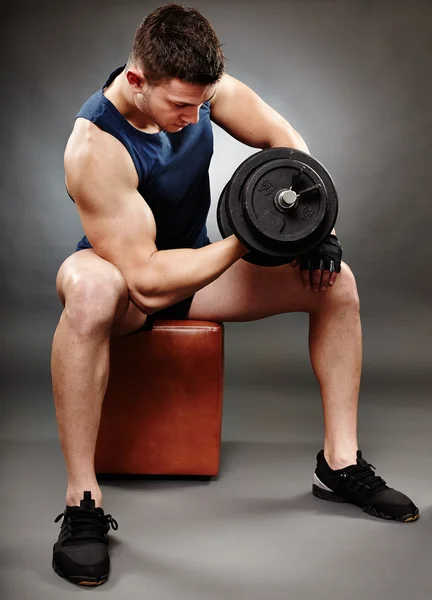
(175, 62)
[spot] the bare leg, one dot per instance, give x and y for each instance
(96, 306)
(246, 292)
(335, 347)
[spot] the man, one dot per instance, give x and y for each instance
(137, 169)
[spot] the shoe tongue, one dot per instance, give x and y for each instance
(87, 502)
(360, 460)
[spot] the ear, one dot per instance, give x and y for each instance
(136, 79)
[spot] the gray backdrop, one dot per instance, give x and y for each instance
(353, 76)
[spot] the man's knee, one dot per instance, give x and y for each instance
(93, 293)
(343, 294)
(345, 291)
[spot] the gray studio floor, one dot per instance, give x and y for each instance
(256, 532)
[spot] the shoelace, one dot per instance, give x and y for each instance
(365, 476)
(80, 519)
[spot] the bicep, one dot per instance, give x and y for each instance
(116, 219)
(120, 227)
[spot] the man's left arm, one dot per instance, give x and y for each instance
(238, 110)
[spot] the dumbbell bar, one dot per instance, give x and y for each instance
(280, 203)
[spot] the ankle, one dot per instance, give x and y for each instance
(337, 460)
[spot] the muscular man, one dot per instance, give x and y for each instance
(137, 169)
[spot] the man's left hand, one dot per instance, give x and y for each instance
(320, 267)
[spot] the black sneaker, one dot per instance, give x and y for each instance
(359, 485)
(81, 551)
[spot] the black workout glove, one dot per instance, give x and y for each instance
(320, 266)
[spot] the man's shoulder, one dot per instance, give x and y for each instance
(95, 159)
(88, 145)
(86, 135)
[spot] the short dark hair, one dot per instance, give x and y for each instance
(178, 42)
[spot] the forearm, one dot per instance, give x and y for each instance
(288, 137)
(172, 275)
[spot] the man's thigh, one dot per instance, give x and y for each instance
(246, 292)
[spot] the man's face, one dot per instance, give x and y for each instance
(173, 104)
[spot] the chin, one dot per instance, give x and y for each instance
(174, 128)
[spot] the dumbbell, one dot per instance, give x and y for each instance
(280, 203)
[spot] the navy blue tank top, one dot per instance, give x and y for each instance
(172, 168)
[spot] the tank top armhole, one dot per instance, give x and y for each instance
(140, 166)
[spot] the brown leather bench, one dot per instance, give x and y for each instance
(162, 411)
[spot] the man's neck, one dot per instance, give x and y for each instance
(119, 93)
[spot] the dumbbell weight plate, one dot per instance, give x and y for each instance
(246, 220)
(263, 215)
(253, 257)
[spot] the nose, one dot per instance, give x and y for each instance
(192, 115)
